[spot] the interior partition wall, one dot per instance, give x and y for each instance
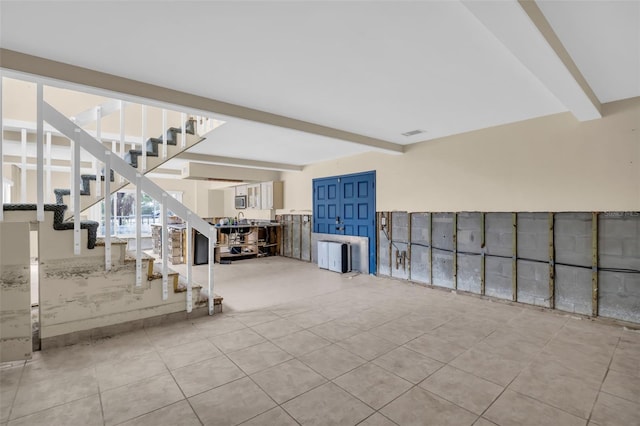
(579, 262)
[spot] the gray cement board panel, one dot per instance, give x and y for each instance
(383, 254)
(619, 296)
(533, 236)
(400, 226)
(619, 240)
(499, 234)
(305, 254)
(399, 272)
(295, 231)
(442, 228)
(573, 289)
(420, 264)
(286, 236)
(469, 271)
(469, 236)
(420, 228)
(533, 283)
(572, 235)
(498, 277)
(442, 268)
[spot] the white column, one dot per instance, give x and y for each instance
(164, 133)
(107, 213)
(212, 245)
(189, 261)
(138, 230)
(49, 189)
(23, 167)
(165, 250)
(40, 155)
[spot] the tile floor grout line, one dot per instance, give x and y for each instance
(603, 380)
(13, 400)
(518, 375)
(184, 395)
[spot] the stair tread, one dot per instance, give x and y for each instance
(114, 241)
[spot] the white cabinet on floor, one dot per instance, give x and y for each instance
(334, 256)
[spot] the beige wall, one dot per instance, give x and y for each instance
(553, 163)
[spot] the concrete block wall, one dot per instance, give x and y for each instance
(553, 257)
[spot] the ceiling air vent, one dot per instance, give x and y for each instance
(414, 132)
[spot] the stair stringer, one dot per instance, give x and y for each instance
(88, 197)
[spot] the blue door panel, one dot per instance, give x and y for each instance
(346, 205)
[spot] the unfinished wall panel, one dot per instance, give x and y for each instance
(469, 247)
(469, 236)
(498, 272)
(499, 234)
(305, 238)
(384, 245)
(420, 228)
(420, 241)
(619, 265)
(295, 236)
(400, 246)
(469, 273)
(573, 257)
(619, 240)
(442, 231)
(420, 264)
(573, 289)
(442, 265)
(572, 235)
(533, 236)
(533, 283)
(286, 235)
(619, 296)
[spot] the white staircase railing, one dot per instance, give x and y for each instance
(81, 138)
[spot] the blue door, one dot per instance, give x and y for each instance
(346, 205)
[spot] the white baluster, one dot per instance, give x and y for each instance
(189, 263)
(75, 173)
(98, 166)
(107, 212)
(40, 155)
(164, 133)
(165, 252)
(23, 167)
(48, 157)
(144, 138)
(183, 139)
(212, 244)
(138, 230)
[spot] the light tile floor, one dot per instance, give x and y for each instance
(313, 347)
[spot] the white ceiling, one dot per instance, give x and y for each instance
(376, 69)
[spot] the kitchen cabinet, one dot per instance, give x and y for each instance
(253, 196)
(241, 190)
(271, 195)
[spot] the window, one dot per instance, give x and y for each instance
(123, 214)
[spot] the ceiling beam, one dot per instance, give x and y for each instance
(213, 172)
(21, 62)
(522, 28)
(238, 162)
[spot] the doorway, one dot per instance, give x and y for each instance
(346, 205)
